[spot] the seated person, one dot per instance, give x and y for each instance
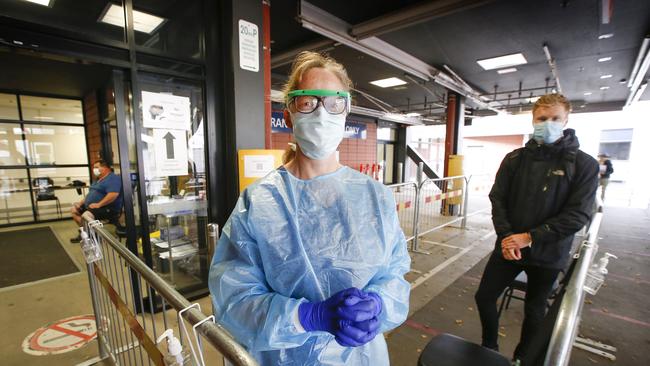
(104, 200)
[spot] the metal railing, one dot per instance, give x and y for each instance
(568, 318)
(125, 296)
(431, 204)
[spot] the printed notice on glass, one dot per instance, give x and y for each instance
(258, 166)
(162, 110)
(171, 152)
(249, 46)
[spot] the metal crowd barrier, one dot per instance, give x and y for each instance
(125, 297)
(568, 318)
(431, 204)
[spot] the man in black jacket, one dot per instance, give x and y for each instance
(606, 169)
(542, 195)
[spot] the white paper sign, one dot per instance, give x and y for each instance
(249, 46)
(257, 166)
(171, 152)
(160, 110)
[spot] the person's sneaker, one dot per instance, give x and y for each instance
(76, 239)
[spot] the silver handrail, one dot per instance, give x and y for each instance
(568, 318)
(216, 335)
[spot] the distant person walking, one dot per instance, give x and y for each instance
(606, 169)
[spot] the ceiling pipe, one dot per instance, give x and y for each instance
(324, 23)
(642, 51)
(411, 16)
(639, 92)
(640, 75)
(551, 63)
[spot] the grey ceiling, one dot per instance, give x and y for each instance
(570, 28)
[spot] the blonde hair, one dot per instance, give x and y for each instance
(552, 99)
(304, 62)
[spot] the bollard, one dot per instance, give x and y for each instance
(463, 223)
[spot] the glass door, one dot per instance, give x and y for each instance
(173, 157)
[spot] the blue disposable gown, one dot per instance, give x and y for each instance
(288, 241)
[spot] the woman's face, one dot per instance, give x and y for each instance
(319, 78)
(316, 78)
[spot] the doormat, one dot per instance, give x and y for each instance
(30, 255)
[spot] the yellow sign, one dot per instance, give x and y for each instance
(255, 164)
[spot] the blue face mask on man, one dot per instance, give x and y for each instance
(548, 131)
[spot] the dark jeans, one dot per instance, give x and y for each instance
(499, 273)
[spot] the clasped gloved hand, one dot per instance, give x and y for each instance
(350, 315)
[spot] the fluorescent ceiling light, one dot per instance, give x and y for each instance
(604, 87)
(47, 3)
(507, 71)
(532, 100)
(605, 76)
(413, 114)
(606, 35)
(387, 83)
(604, 59)
(502, 61)
(587, 93)
(43, 117)
(142, 22)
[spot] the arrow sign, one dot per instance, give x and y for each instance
(169, 140)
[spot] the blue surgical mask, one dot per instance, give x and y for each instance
(547, 131)
(318, 133)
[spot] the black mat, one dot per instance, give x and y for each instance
(30, 255)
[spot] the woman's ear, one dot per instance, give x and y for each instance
(287, 119)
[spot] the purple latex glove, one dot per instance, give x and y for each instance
(324, 315)
(355, 334)
(361, 308)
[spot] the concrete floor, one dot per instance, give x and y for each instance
(443, 284)
(618, 315)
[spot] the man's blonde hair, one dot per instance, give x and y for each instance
(308, 60)
(552, 99)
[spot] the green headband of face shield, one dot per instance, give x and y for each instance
(307, 100)
(319, 92)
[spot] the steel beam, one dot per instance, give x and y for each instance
(412, 15)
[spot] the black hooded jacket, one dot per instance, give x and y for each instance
(547, 190)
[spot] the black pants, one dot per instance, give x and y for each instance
(499, 273)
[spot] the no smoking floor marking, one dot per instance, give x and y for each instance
(61, 336)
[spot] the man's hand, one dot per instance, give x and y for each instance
(511, 254)
(516, 241)
(94, 205)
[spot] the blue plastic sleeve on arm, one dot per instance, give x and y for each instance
(243, 302)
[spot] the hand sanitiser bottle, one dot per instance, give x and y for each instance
(176, 355)
(596, 275)
(92, 251)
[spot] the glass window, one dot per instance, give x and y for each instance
(616, 135)
(171, 28)
(56, 189)
(42, 109)
(12, 146)
(15, 204)
(85, 19)
(616, 143)
(386, 134)
(616, 150)
(52, 144)
(8, 107)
